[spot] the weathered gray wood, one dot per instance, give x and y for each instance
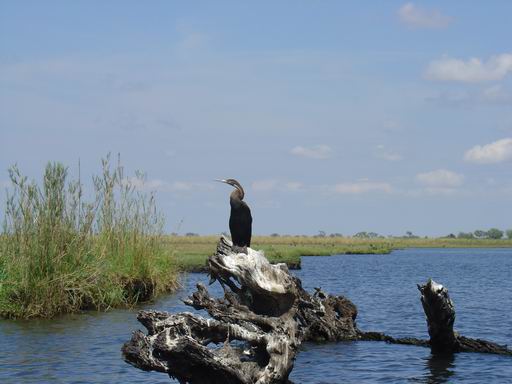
(440, 316)
(254, 332)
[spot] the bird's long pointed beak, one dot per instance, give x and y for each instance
(220, 180)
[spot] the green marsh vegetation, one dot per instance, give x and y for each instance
(191, 252)
(61, 252)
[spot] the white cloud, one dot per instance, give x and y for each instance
(495, 152)
(315, 152)
(363, 186)
(440, 180)
(417, 17)
(470, 71)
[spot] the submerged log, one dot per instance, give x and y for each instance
(254, 332)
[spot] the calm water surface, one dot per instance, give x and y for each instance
(86, 348)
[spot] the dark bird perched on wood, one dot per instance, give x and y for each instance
(240, 219)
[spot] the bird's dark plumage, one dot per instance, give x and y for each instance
(240, 223)
(240, 219)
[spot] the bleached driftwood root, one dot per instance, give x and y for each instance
(440, 314)
(254, 332)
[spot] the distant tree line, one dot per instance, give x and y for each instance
(493, 233)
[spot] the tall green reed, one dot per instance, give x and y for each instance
(60, 252)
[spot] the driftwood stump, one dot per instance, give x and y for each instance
(440, 314)
(254, 331)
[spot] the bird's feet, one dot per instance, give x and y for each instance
(238, 249)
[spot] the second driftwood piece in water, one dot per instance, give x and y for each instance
(254, 331)
(440, 313)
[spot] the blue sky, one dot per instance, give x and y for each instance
(382, 116)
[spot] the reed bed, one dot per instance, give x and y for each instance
(60, 252)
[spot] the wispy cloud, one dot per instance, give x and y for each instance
(166, 186)
(391, 156)
(417, 17)
(496, 94)
(273, 184)
(362, 186)
(493, 95)
(293, 185)
(392, 125)
(264, 185)
(440, 178)
(384, 154)
(315, 152)
(496, 152)
(170, 153)
(470, 71)
(443, 191)
(191, 39)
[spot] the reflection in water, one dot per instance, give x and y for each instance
(440, 368)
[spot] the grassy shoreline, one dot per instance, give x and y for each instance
(126, 269)
(191, 253)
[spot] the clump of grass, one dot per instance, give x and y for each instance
(60, 253)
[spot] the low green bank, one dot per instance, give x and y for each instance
(191, 253)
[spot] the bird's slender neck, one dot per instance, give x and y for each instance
(238, 193)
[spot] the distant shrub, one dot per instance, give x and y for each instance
(495, 233)
(479, 234)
